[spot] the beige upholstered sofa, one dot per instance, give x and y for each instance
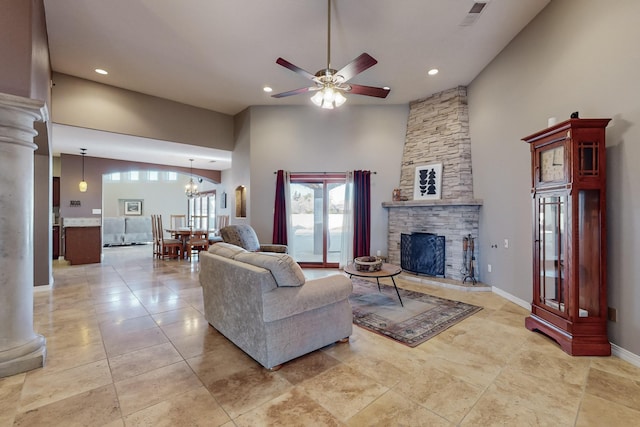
(244, 235)
(264, 305)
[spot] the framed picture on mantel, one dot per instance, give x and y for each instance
(428, 182)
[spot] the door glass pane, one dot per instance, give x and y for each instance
(550, 237)
(589, 253)
(336, 211)
(306, 221)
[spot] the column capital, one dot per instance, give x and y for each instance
(35, 107)
(17, 115)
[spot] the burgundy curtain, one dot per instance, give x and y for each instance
(280, 212)
(361, 213)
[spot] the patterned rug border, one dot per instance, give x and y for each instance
(411, 332)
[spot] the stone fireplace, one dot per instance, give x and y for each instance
(437, 132)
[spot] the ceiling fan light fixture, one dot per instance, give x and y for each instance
(317, 98)
(339, 99)
(328, 98)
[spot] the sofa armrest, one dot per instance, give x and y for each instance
(281, 249)
(284, 302)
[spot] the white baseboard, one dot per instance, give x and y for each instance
(522, 303)
(625, 355)
(616, 350)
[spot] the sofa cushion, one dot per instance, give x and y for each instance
(281, 303)
(284, 269)
(242, 235)
(226, 250)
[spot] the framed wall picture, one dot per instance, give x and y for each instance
(133, 207)
(428, 182)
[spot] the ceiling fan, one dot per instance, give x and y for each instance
(330, 84)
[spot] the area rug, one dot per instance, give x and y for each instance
(422, 317)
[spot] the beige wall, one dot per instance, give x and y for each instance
(83, 103)
(568, 59)
(307, 139)
(15, 43)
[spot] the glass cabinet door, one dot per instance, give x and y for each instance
(589, 260)
(551, 252)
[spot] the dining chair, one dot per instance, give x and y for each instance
(169, 248)
(197, 243)
(156, 240)
(223, 221)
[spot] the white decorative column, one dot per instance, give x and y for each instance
(21, 349)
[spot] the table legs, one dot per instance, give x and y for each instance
(397, 292)
(394, 285)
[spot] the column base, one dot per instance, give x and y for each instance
(23, 358)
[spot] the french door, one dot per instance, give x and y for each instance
(317, 209)
(202, 211)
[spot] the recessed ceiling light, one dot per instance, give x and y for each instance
(433, 72)
(101, 71)
(267, 89)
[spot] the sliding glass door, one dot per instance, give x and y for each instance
(317, 208)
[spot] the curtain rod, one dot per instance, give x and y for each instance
(321, 173)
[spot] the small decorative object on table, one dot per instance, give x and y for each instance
(368, 263)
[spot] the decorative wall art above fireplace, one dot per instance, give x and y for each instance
(428, 182)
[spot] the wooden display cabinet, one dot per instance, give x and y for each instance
(568, 164)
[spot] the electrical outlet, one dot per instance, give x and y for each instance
(612, 314)
(489, 268)
(506, 243)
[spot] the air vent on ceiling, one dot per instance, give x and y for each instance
(474, 13)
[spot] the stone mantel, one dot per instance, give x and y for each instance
(431, 203)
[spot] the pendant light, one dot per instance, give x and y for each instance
(83, 184)
(191, 189)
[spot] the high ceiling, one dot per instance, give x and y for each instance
(219, 54)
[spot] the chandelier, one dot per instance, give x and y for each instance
(191, 189)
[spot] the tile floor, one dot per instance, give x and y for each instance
(128, 346)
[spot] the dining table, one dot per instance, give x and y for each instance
(184, 234)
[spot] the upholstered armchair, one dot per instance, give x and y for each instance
(244, 235)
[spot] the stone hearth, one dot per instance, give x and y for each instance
(438, 132)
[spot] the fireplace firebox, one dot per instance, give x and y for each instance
(422, 253)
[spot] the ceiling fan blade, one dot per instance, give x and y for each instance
(294, 92)
(378, 92)
(295, 68)
(356, 66)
